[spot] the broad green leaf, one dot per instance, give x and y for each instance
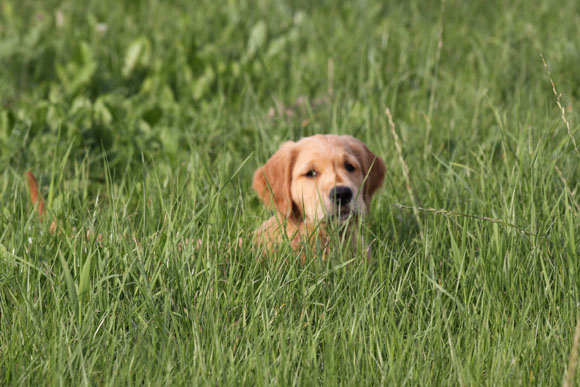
(85, 279)
(257, 38)
(136, 52)
(72, 291)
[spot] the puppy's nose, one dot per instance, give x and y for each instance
(340, 195)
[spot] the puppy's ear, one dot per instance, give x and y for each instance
(272, 181)
(373, 168)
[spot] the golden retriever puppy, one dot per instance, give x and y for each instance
(314, 181)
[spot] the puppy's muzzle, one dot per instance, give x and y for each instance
(340, 195)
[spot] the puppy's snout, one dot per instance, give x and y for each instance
(340, 195)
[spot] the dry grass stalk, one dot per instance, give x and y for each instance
(459, 214)
(436, 67)
(570, 193)
(562, 110)
(573, 357)
(330, 86)
(405, 167)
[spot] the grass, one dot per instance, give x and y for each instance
(144, 121)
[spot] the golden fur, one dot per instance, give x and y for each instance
(312, 180)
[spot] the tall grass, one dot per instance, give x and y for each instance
(143, 122)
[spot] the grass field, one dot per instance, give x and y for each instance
(144, 121)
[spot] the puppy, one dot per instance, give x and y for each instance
(312, 182)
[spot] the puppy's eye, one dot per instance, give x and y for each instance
(311, 173)
(349, 167)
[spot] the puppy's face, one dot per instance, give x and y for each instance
(318, 177)
(326, 179)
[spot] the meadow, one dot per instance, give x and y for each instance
(144, 120)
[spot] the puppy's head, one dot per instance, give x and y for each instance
(320, 176)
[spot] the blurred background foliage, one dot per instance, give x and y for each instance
(158, 79)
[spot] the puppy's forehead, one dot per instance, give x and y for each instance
(323, 147)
